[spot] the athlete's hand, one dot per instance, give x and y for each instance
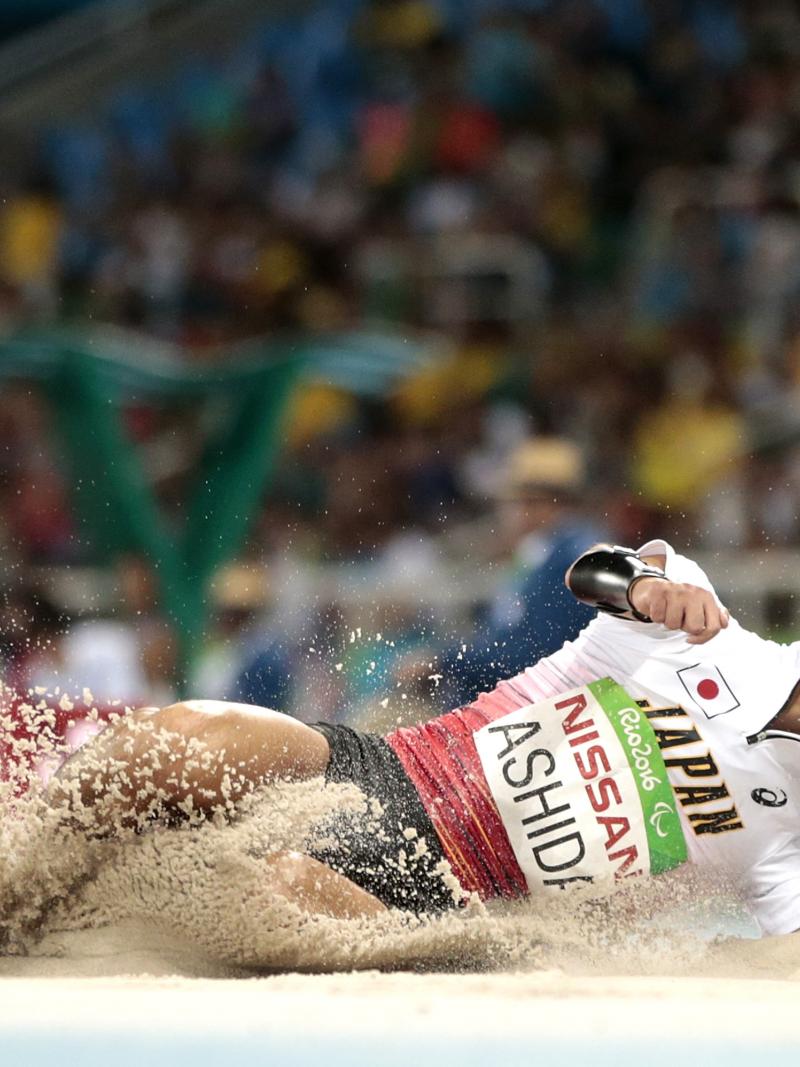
(680, 607)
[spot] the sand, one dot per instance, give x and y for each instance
(371, 1018)
(545, 1003)
(177, 924)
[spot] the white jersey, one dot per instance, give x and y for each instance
(737, 783)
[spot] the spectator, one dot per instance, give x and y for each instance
(540, 527)
(597, 203)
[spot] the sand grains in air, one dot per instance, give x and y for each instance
(76, 870)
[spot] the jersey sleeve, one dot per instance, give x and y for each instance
(678, 568)
(775, 900)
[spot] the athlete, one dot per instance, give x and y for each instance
(481, 792)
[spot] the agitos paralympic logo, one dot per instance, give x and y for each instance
(660, 812)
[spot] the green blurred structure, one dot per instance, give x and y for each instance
(88, 376)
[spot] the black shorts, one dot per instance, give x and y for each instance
(395, 855)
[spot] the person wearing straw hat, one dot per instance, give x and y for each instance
(540, 517)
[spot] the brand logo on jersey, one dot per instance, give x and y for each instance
(708, 689)
(770, 798)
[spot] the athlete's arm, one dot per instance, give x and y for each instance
(619, 582)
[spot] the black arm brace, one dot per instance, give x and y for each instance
(603, 577)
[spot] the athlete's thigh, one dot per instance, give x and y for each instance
(208, 753)
(270, 743)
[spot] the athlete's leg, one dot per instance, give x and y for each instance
(316, 888)
(195, 756)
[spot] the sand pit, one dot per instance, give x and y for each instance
(133, 992)
(167, 946)
(373, 1018)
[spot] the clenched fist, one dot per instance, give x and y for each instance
(680, 607)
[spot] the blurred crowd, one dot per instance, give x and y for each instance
(597, 203)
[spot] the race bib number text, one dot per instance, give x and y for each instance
(582, 790)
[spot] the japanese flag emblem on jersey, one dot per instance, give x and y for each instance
(708, 689)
